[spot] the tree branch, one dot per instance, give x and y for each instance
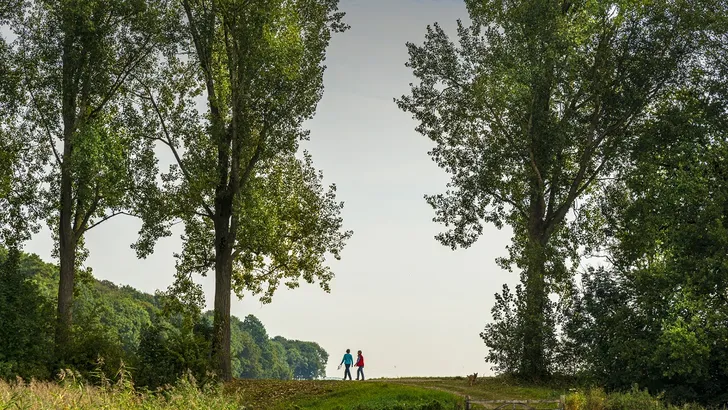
(170, 144)
(575, 188)
(123, 75)
(46, 127)
(92, 209)
(107, 217)
(532, 158)
(553, 186)
(256, 155)
(501, 198)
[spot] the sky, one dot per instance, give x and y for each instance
(413, 306)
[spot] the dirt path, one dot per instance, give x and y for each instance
(446, 389)
(432, 384)
(486, 389)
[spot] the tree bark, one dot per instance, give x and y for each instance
(66, 236)
(67, 256)
(533, 363)
(540, 161)
(223, 287)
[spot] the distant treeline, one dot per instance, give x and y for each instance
(120, 324)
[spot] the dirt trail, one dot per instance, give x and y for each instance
(427, 384)
(482, 389)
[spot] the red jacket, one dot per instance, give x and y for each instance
(360, 361)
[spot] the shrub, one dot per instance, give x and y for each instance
(634, 399)
(592, 399)
(165, 353)
(575, 401)
(433, 405)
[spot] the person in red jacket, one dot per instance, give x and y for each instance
(360, 365)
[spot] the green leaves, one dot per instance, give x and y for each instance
(252, 211)
(535, 105)
(662, 299)
(292, 223)
(73, 61)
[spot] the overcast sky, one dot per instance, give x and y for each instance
(413, 306)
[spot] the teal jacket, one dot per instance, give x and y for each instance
(347, 359)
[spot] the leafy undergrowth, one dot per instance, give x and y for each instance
(339, 395)
(597, 399)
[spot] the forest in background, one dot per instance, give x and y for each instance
(120, 324)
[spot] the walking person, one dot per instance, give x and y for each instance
(347, 361)
(360, 365)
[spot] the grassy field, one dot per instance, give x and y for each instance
(240, 394)
(487, 388)
(335, 395)
(382, 394)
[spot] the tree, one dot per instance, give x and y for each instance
(253, 212)
(159, 343)
(247, 355)
(307, 360)
(26, 314)
(254, 327)
(77, 57)
(532, 109)
(22, 344)
(168, 350)
(656, 315)
(279, 369)
(18, 177)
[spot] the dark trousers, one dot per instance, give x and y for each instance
(347, 372)
(360, 372)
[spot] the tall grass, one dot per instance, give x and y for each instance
(636, 399)
(70, 392)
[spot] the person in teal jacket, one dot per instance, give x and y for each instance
(347, 361)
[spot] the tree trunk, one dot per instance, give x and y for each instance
(223, 287)
(533, 363)
(66, 236)
(67, 256)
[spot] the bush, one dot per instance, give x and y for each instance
(634, 399)
(596, 399)
(93, 350)
(433, 405)
(166, 353)
(592, 399)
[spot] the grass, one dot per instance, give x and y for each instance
(337, 395)
(381, 394)
(79, 396)
(239, 394)
(488, 388)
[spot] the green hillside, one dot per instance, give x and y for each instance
(121, 324)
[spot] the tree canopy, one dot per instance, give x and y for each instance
(655, 315)
(536, 104)
(74, 60)
(254, 212)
